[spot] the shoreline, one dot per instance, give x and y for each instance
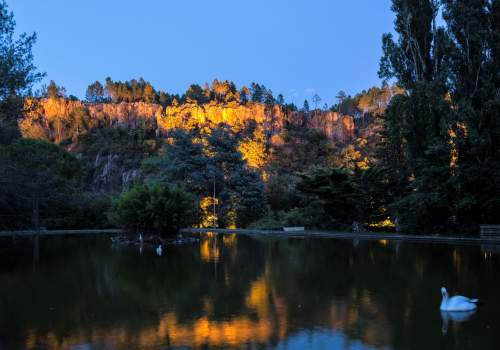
(367, 236)
(351, 235)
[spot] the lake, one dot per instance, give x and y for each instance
(231, 291)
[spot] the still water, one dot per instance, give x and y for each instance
(231, 291)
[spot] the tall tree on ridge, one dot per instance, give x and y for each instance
(17, 73)
(316, 100)
(305, 108)
(95, 92)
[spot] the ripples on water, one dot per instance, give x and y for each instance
(233, 291)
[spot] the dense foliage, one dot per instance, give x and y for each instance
(36, 175)
(154, 208)
(441, 143)
(142, 91)
(209, 164)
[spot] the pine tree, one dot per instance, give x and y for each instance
(305, 108)
(54, 91)
(95, 92)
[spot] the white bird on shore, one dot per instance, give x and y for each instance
(159, 250)
(457, 302)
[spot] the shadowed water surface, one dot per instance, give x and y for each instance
(231, 291)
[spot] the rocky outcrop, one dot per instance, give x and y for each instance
(60, 119)
(106, 172)
(334, 125)
(130, 115)
(109, 174)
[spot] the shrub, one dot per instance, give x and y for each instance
(154, 208)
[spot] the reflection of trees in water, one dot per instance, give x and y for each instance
(256, 291)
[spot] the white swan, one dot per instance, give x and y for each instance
(457, 302)
(159, 250)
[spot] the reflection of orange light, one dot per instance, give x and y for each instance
(211, 235)
(346, 316)
(258, 297)
(265, 320)
(209, 250)
(230, 240)
(204, 331)
(383, 242)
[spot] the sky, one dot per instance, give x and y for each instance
(294, 47)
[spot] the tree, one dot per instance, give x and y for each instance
(316, 100)
(347, 106)
(224, 91)
(154, 208)
(164, 99)
(441, 133)
(253, 150)
(258, 92)
(131, 91)
(197, 161)
(240, 188)
(182, 162)
(280, 100)
(245, 94)
(269, 100)
(332, 195)
(341, 96)
(95, 92)
(40, 177)
(148, 93)
(417, 56)
(473, 31)
(54, 91)
(305, 108)
(196, 93)
(18, 73)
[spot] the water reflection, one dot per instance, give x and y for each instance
(455, 316)
(209, 248)
(234, 291)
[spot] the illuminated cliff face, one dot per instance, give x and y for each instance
(236, 115)
(126, 114)
(60, 119)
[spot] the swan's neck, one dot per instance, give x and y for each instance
(444, 302)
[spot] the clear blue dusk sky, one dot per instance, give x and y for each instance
(294, 47)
